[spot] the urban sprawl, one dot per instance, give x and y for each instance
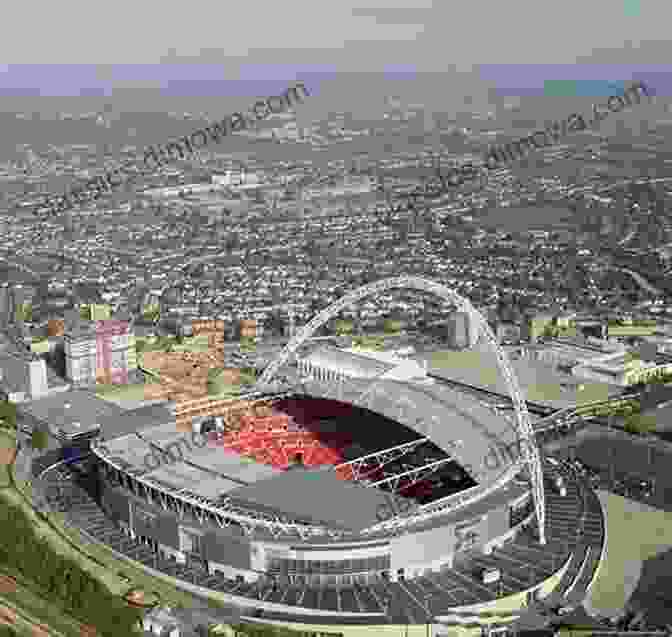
(261, 393)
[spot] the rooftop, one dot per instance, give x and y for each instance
(349, 362)
(319, 496)
(70, 413)
(125, 422)
(179, 461)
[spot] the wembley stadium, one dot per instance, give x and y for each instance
(350, 487)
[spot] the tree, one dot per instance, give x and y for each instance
(8, 414)
(640, 424)
(344, 328)
(39, 439)
(247, 344)
(550, 331)
(392, 326)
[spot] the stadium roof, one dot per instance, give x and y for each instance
(319, 496)
(69, 413)
(180, 461)
(348, 363)
(311, 495)
(455, 422)
(127, 422)
(451, 419)
(315, 496)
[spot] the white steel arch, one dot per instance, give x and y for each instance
(524, 430)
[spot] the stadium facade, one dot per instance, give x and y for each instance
(246, 519)
(380, 503)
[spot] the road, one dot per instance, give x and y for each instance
(642, 282)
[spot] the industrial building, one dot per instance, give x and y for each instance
(67, 416)
(620, 368)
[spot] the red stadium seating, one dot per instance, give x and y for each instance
(277, 438)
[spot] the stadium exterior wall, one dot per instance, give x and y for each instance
(229, 551)
(431, 549)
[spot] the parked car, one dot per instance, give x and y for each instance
(491, 575)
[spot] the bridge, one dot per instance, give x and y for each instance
(575, 414)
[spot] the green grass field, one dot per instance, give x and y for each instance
(120, 575)
(133, 392)
(32, 607)
(481, 369)
(635, 532)
(488, 374)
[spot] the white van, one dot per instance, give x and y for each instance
(491, 575)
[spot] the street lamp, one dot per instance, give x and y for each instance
(428, 597)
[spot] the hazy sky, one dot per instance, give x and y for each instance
(250, 49)
(348, 35)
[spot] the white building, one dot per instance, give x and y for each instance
(37, 378)
(80, 354)
(618, 368)
(234, 178)
(21, 377)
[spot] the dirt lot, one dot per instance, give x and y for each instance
(6, 454)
